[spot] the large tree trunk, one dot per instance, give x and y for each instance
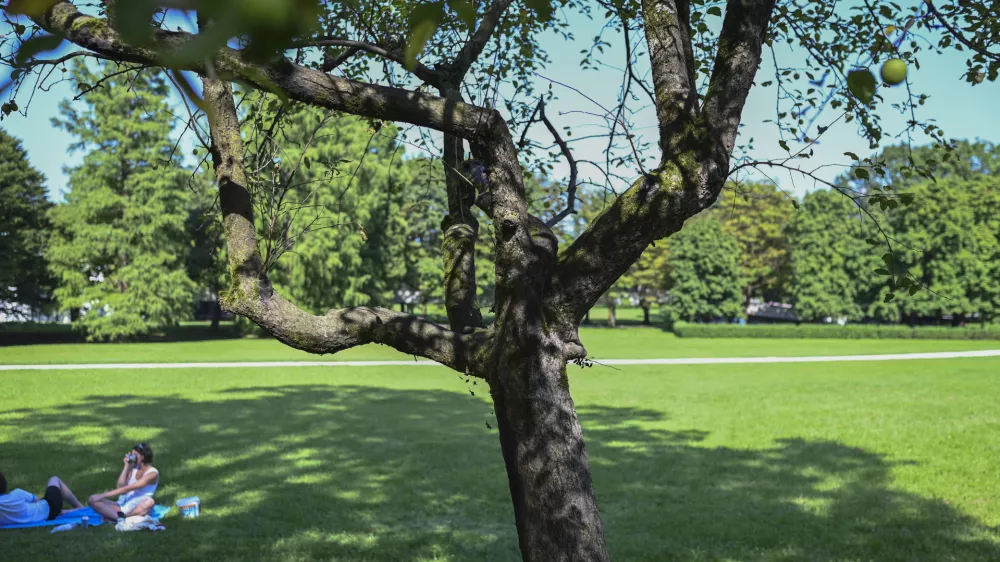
(216, 315)
(555, 508)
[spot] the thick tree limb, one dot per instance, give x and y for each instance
(296, 81)
(736, 62)
(671, 58)
(251, 295)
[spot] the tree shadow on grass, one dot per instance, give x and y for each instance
(314, 472)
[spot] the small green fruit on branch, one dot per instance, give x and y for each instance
(894, 71)
(861, 82)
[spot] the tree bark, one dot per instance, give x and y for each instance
(216, 315)
(645, 315)
(548, 472)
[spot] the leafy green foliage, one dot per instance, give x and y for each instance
(424, 203)
(329, 200)
(904, 166)
(949, 238)
(706, 281)
(206, 259)
(120, 242)
(830, 270)
(24, 278)
(833, 331)
(755, 215)
(935, 258)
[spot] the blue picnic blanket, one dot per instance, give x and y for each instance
(77, 516)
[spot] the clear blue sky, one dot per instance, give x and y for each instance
(961, 110)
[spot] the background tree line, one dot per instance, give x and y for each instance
(348, 214)
(820, 253)
(350, 220)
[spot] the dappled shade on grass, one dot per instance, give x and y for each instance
(318, 472)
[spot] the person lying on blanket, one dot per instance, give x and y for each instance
(18, 507)
(136, 485)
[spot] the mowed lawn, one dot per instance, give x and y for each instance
(824, 461)
(601, 343)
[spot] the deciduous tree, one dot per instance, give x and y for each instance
(24, 279)
(706, 283)
(348, 58)
(119, 240)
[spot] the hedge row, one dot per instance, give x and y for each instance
(851, 331)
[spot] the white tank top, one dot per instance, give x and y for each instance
(141, 492)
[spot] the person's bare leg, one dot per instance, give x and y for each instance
(144, 507)
(67, 494)
(107, 508)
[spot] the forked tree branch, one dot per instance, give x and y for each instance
(252, 296)
(460, 226)
(474, 46)
(296, 81)
(696, 149)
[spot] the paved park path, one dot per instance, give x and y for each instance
(424, 363)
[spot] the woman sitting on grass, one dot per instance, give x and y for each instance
(136, 485)
(18, 507)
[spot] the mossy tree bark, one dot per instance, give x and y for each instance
(541, 293)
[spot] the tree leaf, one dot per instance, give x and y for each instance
(783, 145)
(424, 20)
(465, 10)
(31, 8)
(882, 271)
(133, 19)
(861, 84)
(889, 297)
(35, 45)
(714, 11)
(861, 173)
(543, 9)
(914, 289)
(906, 198)
(852, 155)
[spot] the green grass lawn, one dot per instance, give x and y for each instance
(601, 343)
(827, 462)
